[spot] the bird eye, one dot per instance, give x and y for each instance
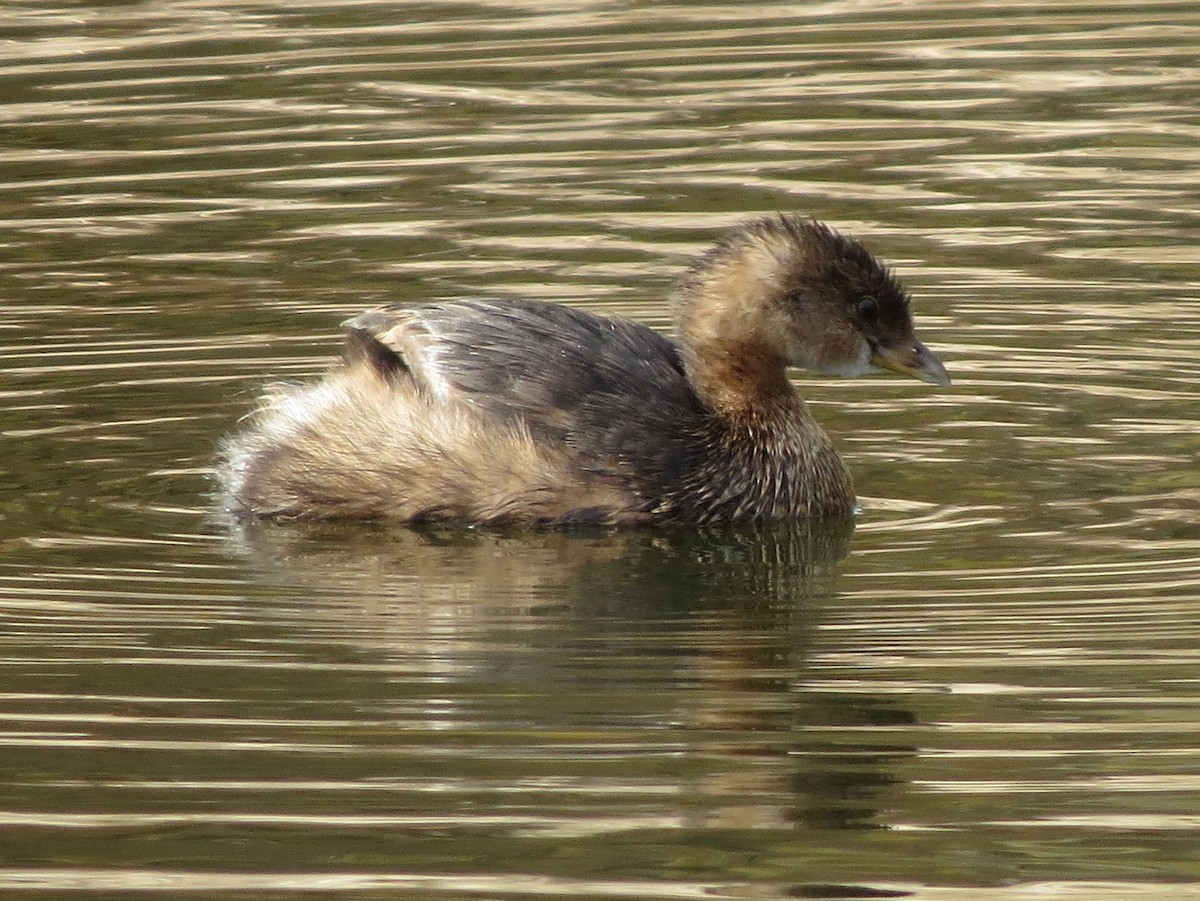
(868, 309)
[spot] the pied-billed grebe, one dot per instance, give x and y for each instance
(518, 411)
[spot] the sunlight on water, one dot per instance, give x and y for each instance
(986, 688)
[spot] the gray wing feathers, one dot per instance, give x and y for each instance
(599, 384)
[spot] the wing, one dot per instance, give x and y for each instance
(610, 388)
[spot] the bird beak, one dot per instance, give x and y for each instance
(912, 358)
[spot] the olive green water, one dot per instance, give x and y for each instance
(990, 690)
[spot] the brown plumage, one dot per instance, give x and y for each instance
(518, 411)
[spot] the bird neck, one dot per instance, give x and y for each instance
(739, 379)
(732, 329)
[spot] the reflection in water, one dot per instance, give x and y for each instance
(771, 566)
(724, 616)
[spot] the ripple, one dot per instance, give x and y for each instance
(991, 683)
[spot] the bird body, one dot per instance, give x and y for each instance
(497, 411)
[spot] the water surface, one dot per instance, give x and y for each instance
(985, 687)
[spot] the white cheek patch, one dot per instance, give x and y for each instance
(860, 365)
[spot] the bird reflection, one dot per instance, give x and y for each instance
(699, 636)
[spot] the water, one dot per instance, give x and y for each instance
(984, 688)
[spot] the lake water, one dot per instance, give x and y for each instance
(985, 688)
